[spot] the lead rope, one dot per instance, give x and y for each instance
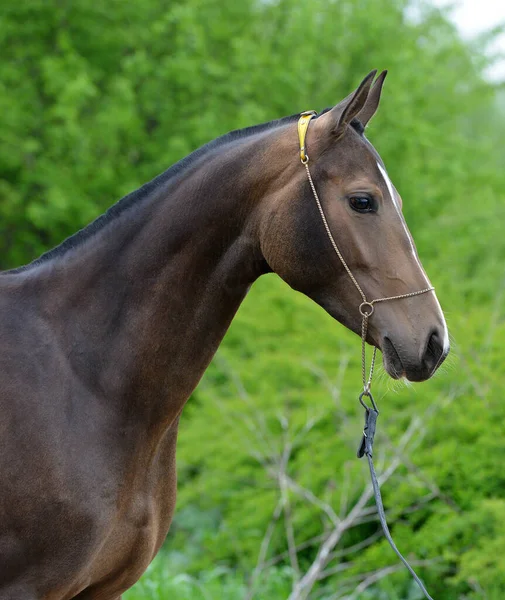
(366, 309)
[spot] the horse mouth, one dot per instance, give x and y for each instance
(391, 360)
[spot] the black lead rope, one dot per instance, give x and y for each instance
(366, 448)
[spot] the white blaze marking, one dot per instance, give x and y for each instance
(446, 331)
(397, 206)
(390, 187)
(414, 253)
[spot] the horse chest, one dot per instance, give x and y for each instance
(145, 508)
(98, 515)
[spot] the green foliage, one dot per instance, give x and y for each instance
(165, 579)
(95, 100)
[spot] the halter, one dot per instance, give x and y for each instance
(366, 310)
(367, 307)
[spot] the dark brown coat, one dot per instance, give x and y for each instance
(103, 339)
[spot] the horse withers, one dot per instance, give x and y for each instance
(103, 339)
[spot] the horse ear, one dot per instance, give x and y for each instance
(372, 102)
(344, 112)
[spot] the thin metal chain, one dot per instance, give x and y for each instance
(366, 384)
(327, 227)
(366, 308)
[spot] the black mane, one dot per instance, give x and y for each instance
(358, 126)
(148, 188)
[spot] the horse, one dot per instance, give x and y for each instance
(104, 338)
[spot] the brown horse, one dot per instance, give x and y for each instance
(103, 339)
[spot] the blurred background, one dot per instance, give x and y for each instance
(98, 98)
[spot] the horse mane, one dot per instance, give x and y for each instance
(150, 187)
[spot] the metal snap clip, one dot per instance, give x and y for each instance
(367, 394)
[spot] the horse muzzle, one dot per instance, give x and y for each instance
(400, 361)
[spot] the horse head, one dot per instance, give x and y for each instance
(363, 212)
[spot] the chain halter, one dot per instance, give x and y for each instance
(366, 310)
(367, 307)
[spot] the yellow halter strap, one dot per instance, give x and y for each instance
(303, 125)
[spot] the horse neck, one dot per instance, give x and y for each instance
(142, 306)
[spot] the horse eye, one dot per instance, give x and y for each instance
(361, 204)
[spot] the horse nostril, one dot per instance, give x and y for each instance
(434, 352)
